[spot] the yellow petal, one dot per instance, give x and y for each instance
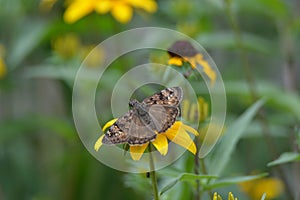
(136, 152)
(122, 12)
(98, 143)
(203, 109)
(190, 129)
(179, 125)
(182, 138)
(108, 124)
(192, 61)
(148, 5)
(230, 196)
(175, 61)
(161, 144)
(192, 113)
(206, 68)
(185, 108)
(78, 9)
(2, 68)
(215, 196)
(273, 188)
(176, 126)
(103, 6)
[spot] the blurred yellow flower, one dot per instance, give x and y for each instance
(46, 5)
(3, 69)
(183, 51)
(66, 46)
(191, 113)
(177, 133)
(218, 197)
(69, 46)
(273, 187)
(121, 10)
(189, 28)
(94, 55)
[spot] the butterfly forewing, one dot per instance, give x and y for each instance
(169, 96)
(136, 129)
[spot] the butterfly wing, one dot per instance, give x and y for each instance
(168, 97)
(135, 130)
(141, 131)
(163, 116)
(164, 107)
(118, 132)
(131, 129)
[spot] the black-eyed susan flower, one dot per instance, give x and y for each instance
(218, 197)
(272, 187)
(183, 52)
(121, 10)
(177, 133)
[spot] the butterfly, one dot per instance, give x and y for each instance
(146, 119)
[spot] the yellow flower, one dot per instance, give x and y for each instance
(218, 197)
(46, 5)
(273, 187)
(121, 10)
(182, 51)
(66, 46)
(3, 69)
(189, 28)
(190, 111)
(177, 133)
(94, 55)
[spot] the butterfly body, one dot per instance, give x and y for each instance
(146, 119)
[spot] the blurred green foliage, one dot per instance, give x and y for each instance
(254, 43)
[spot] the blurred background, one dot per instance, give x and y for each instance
(255, 44)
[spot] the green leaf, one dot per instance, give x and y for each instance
(31, 123)
(288, 101)
(185, 177)
(276, 130)
(65, 73)
(233, 180)
(277, 9)
(227, 40)
(285, 158)
(29, 36)
(220, 156)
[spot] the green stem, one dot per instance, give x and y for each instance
(239, 43)
(196, 170)
(253, 91)
(204, 171)
(153, 174)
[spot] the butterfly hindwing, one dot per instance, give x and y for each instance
(130, 129)
(118, 132)
(153, 115)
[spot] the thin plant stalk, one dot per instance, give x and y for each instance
(153, 174)
(253, 91)
(196, 170)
